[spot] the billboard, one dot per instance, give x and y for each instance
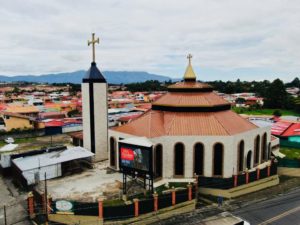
(135, 158)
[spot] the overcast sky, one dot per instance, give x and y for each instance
(250, 40)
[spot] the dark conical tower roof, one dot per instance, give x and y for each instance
(93, 75)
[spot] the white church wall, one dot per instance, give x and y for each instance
(230, 144)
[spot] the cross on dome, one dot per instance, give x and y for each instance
(189, 74)
(189, 57)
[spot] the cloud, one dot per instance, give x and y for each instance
(229, 39)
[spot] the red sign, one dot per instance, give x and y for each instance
(127, 154)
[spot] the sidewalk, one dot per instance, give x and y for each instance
(292, 172)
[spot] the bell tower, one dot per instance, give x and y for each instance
(94, 109)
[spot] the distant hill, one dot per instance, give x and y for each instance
(113, 77)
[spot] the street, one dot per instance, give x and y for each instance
(283, 209)
(16, 212)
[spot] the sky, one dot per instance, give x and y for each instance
(229, 39)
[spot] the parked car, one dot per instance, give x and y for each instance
(9, 140)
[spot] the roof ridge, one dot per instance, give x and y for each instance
(214, 115)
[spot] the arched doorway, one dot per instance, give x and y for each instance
(248, 160)
(241, 147)
(112, 144)
(158, 161)
(218, 155)
(199, 159)
(179, 159)
(264, 148)
(256, 149)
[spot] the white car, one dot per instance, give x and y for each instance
(9, 140)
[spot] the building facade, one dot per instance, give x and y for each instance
(194, 131)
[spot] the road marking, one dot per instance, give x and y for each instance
(286, 213)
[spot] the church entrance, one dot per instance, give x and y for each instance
(158, 161)
(249, 157)
(179, 160)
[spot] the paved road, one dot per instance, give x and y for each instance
(284, 209)
(15, 204)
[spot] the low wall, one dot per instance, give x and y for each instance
(142, 219)
(94, 212)
(243, 189)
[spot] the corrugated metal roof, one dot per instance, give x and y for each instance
(51, 158)
(293, 130)
(280, 127)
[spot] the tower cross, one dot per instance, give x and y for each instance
(189, 57)
(93, 42)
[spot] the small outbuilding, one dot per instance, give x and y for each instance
(31, 169)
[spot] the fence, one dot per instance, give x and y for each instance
(287, 143)
(290, 163)
(123, 211)
(237, 180)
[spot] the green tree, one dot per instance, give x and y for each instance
(277, 112)
(276, 95)
(297, 104)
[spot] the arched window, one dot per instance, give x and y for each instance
(241, 147)
(264, 147)
(179, 159)
(249, 159)
(112, 144)
(158, 161)
(256, 149)
(218, 154)
(198, 158)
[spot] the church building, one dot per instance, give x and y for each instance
(194, 131)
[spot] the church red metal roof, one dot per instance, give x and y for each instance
(160, 123)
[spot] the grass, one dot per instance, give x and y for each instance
(291, 153)
(19, 141)
(247, 111)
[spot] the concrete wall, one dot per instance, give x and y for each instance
(230, 150)
(100, 119)
(86, 115)
(52, 171)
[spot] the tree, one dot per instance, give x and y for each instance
(277, 112)
(276, 95)
(294, 83)
(297, 104)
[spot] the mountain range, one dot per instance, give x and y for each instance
(112, 77)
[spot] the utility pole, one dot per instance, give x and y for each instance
(4, 211)
(46, 200)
